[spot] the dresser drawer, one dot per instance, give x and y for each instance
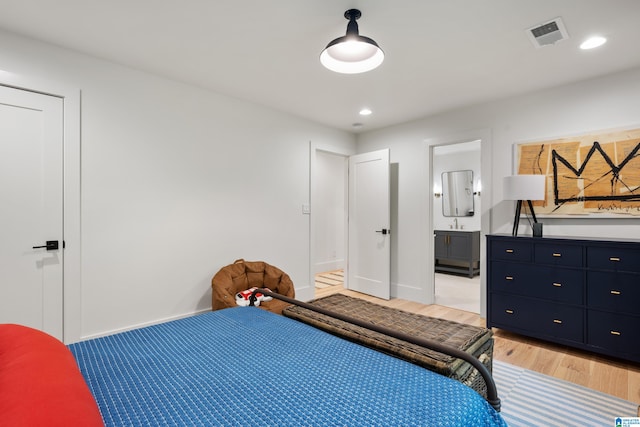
(561, 255)
(511, 277)
(619, 292)
(614, 332)
(540, 318)
(559, 284)
(613, 258)
(555, 284)
(511, 250)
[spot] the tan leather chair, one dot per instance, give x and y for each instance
(242, 275)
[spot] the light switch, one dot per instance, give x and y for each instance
(306, 208)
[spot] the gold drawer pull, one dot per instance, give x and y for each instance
(557, 255)
(509, 251)
(557, 285)
(557, 321)
(613, 258)
(509, 311)
(616, 333)
(616, 292)
(508, 278)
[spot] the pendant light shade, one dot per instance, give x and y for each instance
(352, 53)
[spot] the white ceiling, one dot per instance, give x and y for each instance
(440, 54)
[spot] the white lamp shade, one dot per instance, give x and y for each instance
(523, 187)
(352, 55)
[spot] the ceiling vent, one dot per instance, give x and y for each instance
(548, 33)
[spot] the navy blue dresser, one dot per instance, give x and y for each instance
(578, 292)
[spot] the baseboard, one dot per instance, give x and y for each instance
(321, 267)
(410, 293)
(142, 325)
(305, 293)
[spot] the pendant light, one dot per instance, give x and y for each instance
(352, 53)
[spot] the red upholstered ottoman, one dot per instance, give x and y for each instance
(40, 383)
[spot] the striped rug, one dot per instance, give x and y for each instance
(533, 399)
(330, 278)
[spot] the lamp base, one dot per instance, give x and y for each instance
(537, 229)
(516, 219)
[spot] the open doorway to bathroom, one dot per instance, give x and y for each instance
(456, 224)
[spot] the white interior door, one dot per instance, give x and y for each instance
(369, 260)
(31, 210)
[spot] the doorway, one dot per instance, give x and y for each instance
(361, 219)
(457, 282)
(330, 221)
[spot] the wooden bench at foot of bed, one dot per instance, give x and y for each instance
(470, 339)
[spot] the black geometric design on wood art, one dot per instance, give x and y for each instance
(613, 175)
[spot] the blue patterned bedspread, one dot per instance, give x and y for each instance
(248, 367)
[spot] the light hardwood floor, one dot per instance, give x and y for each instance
(608, 375)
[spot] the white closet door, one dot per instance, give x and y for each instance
(369, 262)
(31, 210)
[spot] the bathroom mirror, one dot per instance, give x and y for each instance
(457, 193)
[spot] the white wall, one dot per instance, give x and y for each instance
(176, 182)
(602, 103)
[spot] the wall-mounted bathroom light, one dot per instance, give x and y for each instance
(478, 189)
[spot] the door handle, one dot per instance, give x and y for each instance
(51, 245)
(384, 231)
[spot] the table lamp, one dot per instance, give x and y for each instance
(521, 188)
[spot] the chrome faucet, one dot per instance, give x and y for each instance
(456, 221)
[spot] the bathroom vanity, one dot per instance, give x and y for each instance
(457, 252)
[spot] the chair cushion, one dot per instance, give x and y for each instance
(242, 275)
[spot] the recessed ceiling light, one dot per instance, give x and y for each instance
(593, 42)
(365, 112)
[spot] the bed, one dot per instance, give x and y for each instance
(248, 367)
